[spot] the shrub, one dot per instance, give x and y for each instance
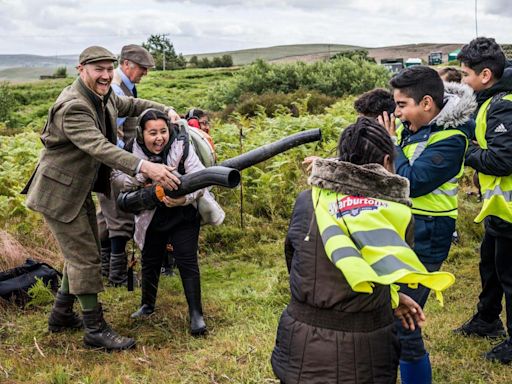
(7, 103)
(335, 78)
(277, 103)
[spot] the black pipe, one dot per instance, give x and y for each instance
(217, 175)
(149, 197)
(225, 174)
(269, 150)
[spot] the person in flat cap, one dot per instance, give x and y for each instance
(79, 152)
(115, 226)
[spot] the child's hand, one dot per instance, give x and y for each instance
(308, 162)
(170, 202)
(388, 122)
(409, 312)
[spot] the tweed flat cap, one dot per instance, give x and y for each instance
(137, 54)
(96, 53)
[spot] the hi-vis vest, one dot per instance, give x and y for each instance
(442, 201)
(364, 238)
(496, 190)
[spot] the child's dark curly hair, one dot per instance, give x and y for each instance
(483, 52)
(364, 142)
(374, 102)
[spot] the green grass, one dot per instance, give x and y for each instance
(245, 288)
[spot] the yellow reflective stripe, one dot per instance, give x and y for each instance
(378, 238)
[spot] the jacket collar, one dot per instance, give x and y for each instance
(369, 180)
(458, 108)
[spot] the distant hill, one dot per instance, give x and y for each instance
(13, 61)
(278, 53)
(314, 52)
(30, 67)
(22, 74)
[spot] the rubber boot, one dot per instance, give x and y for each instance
(417, 371)
(192, 288)
(98, 334)
(118, 275)
(149, 288)
(105, 261)
(62, 316)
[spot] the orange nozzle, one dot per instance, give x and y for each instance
(160, 193)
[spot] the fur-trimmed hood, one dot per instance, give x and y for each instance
(369, 180)
(459, 105)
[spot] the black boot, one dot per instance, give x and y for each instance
(98, 334)
(105, 261)
(62, 316)
(476, 326)
(192, 288)
(149, 288)
(118, 275)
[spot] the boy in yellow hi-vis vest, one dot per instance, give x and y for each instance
(486, 70)
(430, 144)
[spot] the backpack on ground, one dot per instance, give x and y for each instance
(15, 282)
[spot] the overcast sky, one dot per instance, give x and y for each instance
(58, 27)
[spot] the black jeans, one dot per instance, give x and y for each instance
(180, 227)
(411, 342)
(496, 277)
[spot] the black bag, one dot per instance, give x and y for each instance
(15, 282)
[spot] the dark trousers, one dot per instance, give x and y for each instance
(411, 342)
(496, 277)
(180, 227)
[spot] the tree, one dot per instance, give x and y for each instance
(163, 52)
(227, 61)
(204, 63)
(217, 62)
(354, 54)
(193, 61)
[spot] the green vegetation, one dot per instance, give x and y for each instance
(216, 62)
(339, 77)
(7, 103)
(163, 52)
(61, 72)
(245, 282)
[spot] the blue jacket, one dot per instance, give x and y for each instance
(437, 164)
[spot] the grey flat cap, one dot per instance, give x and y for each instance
(137, 54)
(96, 53)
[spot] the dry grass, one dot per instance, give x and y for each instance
(13, 253)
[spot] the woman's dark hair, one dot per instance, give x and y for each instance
(483, 52)
(452, 74)
(364, 142)
(419, 81)
(374, 102)
(148, 114)
(194, 113)
(152, 114)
